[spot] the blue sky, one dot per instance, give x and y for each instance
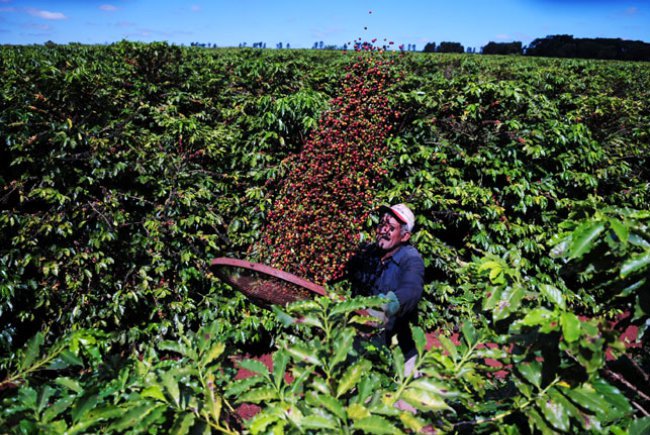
(300, 23)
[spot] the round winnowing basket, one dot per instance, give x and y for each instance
(263, 284)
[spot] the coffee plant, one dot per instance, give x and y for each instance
(125, 168)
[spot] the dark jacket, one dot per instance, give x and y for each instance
(402, 274)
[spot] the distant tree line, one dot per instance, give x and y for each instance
(444, 47)
(568, 46)
(503, 48)
(592, 48)
(557, 46)
(550, 46)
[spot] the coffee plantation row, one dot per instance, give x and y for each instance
(126, 168)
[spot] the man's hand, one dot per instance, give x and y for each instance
(380, 315)
(386, 311)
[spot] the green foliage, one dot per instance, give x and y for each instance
(126, 168)
(176, 384)
(327, 375)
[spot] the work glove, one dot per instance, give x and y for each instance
(386, 311)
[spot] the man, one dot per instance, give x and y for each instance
(392, 268)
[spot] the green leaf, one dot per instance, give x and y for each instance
(531, 371)
(172, 346)
(318, 422)
(351, 377)
(619, 405)
(560, 250)
(280, 361)
(133, 416)
(261, 421)
(449, 346)
(367, 386)
(555, 413)
(357, 411)
(426, 400)
(376, 424)
(44, 397)
(57, 408)
(620, 229)
(303, 354)
(536, 421)
(65, 360)
(342, 347)
(412, 422)
(510, 301)
(496, 274)
(284, 318)
(214, 353)
(171, 386)
(239, 386)
(469, 333)
(586, 397)
(258, 395)
(583, 238)
(182, 423)
(558, 397)
(82, 407)
(154, 392)
(255, 366)
(70, 384)
(492, 298)
(553, 295)
(640, 426)
(398, 361)
(428, 384)
(538, 316)
(356, 304)
(328, 402)
(32, 351)
(635, 264)
(419, 338)
(570, 326)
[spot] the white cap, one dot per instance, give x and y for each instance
(402, 213)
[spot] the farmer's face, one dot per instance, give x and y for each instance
(389, 233)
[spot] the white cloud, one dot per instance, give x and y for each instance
(502, 36)
(46, 15)
(631, 10)
(196, 8)
(108, 8)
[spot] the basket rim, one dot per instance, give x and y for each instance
(268, 270)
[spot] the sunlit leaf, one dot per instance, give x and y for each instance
(570, 326)
(635, 264)
(583, 238)
(328, 402)
(318, 422)
(301, 353)
(258, 395)
(553, 295)
(214, 353)
(420, 339)
(555, 413)
(351, 377)
(377, 425)
(254, 366)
